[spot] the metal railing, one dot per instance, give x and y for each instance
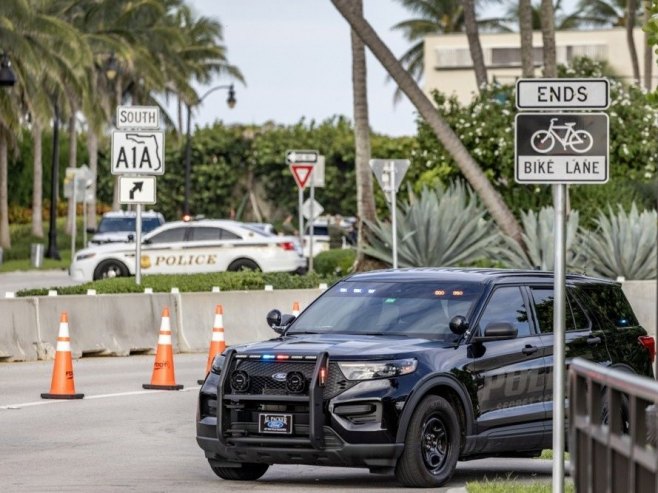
(612, 425)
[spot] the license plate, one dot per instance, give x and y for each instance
(275, 423)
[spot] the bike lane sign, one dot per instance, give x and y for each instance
(561, 148)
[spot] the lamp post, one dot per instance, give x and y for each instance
(52, 251)
(230, 101)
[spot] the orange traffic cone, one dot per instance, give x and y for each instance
(295, 308)
(63, 386)
(163, 369)
(217, 341)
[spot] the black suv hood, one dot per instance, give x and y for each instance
(342, 346)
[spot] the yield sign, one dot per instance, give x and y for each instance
(301, 173)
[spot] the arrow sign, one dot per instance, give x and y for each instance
(302, 156)
(301, 173)
(137, 187)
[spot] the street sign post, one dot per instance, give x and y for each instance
(389, 174)
(561, 148)
(302, 163)
(137, 190)
(567, 94)
(76, 184)
(312, 210)
(142, 117)
(317, 177)
(137, 152)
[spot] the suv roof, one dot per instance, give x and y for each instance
(113, 214)
(484, 276)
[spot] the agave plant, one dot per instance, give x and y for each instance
(539, 241)
(442, 227)
(623, 245)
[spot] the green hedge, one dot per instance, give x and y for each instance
(335, 262)
(226, 281)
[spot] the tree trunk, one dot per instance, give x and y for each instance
(525, 28)
(648, 51)
(180, 116)
(37, 181)
(365, 199)
(5, 239)
(92, 147)
(115, 196)
(468, 166)
(73, 159)
(471, 28)
(548, 37)
(631, 9)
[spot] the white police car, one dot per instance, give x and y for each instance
(182, 247)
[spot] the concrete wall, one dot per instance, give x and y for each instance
(118, 325)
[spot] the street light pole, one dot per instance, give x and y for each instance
(230, 101)
(52, 251)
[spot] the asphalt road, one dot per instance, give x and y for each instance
(123, 438)
(15, 281)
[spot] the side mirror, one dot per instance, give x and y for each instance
(131, 237)
(91, 231)
(274, 318)
(458, 325)
(497, 331)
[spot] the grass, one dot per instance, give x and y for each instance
(547, 454)
(518, 486)
(17, 257)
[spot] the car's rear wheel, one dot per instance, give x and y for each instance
(247, 472)
(110, 268)
(243, 264)
(431, 447)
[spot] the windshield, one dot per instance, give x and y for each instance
(126, 224)
(412, 309)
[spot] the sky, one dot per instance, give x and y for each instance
(296, 59)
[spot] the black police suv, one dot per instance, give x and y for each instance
(410, 371)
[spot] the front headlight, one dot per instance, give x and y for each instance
(368, 370)
(84, 256)
(218, 364)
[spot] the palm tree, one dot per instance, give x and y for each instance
(365, 199)
(471, 28)
(525, 28)
(615, 13)
(469, 167)
(548, 38)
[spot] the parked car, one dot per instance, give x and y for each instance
(182, 247)
(120, 226)
(409, 371)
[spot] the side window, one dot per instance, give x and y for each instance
(609, 301)
(543, 299)
(227, 235)
(206, 234)
(506, 305)
(170, 235)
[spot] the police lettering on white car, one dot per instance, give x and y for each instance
(182, 247)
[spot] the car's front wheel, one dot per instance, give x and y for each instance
(110, 268)
(431, 447)
(246, 472)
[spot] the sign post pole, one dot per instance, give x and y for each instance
(138, 245)
(310, 230)
(300, 200)
(74, 213)
(560, 149)
(394, 213)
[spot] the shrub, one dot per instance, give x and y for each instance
(226, 281)
(335, 262)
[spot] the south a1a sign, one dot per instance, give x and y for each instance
(137, 152)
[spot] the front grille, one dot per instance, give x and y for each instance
(261, 379)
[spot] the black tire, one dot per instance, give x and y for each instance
(110, 268)
(243, 264)
(248, 472)
(623, 410)
(431, 447)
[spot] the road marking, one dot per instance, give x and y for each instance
(100, 396)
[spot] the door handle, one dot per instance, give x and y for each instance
(528, 349)
(593, 340)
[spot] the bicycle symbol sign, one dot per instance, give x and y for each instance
(561, 148)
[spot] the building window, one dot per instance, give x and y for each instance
(453, 58)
